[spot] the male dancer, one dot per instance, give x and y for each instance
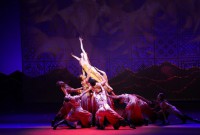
(104, 110)
(134, 110)
(167, 108)
(77, 113)
(66, 107)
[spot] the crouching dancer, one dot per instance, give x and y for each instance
(166, 109)
(66, 107)
(77, 113)
(133, 112)
(104, 111)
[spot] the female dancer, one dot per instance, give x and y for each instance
(87, 67)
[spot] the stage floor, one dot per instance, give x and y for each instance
(36, 121)
(39, 124)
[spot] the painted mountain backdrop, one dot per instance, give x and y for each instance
(176, 83)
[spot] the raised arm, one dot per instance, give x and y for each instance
(83, 73)
(105, 78)
(81, 42)
(102, 72)
(104, 81)
(84, 54)
(105, 84)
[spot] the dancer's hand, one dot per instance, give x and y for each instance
(72, 55)
(80, 39)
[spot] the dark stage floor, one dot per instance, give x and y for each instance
(35, 120)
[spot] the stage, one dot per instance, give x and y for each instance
(45, 129)
(35, 120)
(145, 47)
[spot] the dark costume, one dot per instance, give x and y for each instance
(166, 108)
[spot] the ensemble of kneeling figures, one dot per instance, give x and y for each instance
(94, 105)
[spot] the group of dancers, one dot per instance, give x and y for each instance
(93, 103)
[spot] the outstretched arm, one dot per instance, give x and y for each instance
(144, 99)
(75, 57)
(73, 98)
(84, 92)
(77, 89)
(114, 96)
(63, 90)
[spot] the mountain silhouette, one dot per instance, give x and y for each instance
(176, 83)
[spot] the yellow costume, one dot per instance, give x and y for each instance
(93, 73)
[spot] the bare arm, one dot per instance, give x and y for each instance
(142, 98)
(103, 82)
(81, 42)
(71, 98)
(112, 93)
(64, 91)
(77, 90)
(85, 92)
(103, 73)
(83, 72)
(106, 78)
(75, 57)
(114, 96)
(85, 56)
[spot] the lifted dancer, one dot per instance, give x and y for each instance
(87, 67)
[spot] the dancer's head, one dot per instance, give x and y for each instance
(82, 77)
(59, 83)
(161, 97)
(92, 82)
(124, 98)
(63, 86)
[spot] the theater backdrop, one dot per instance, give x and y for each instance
(144, 46)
